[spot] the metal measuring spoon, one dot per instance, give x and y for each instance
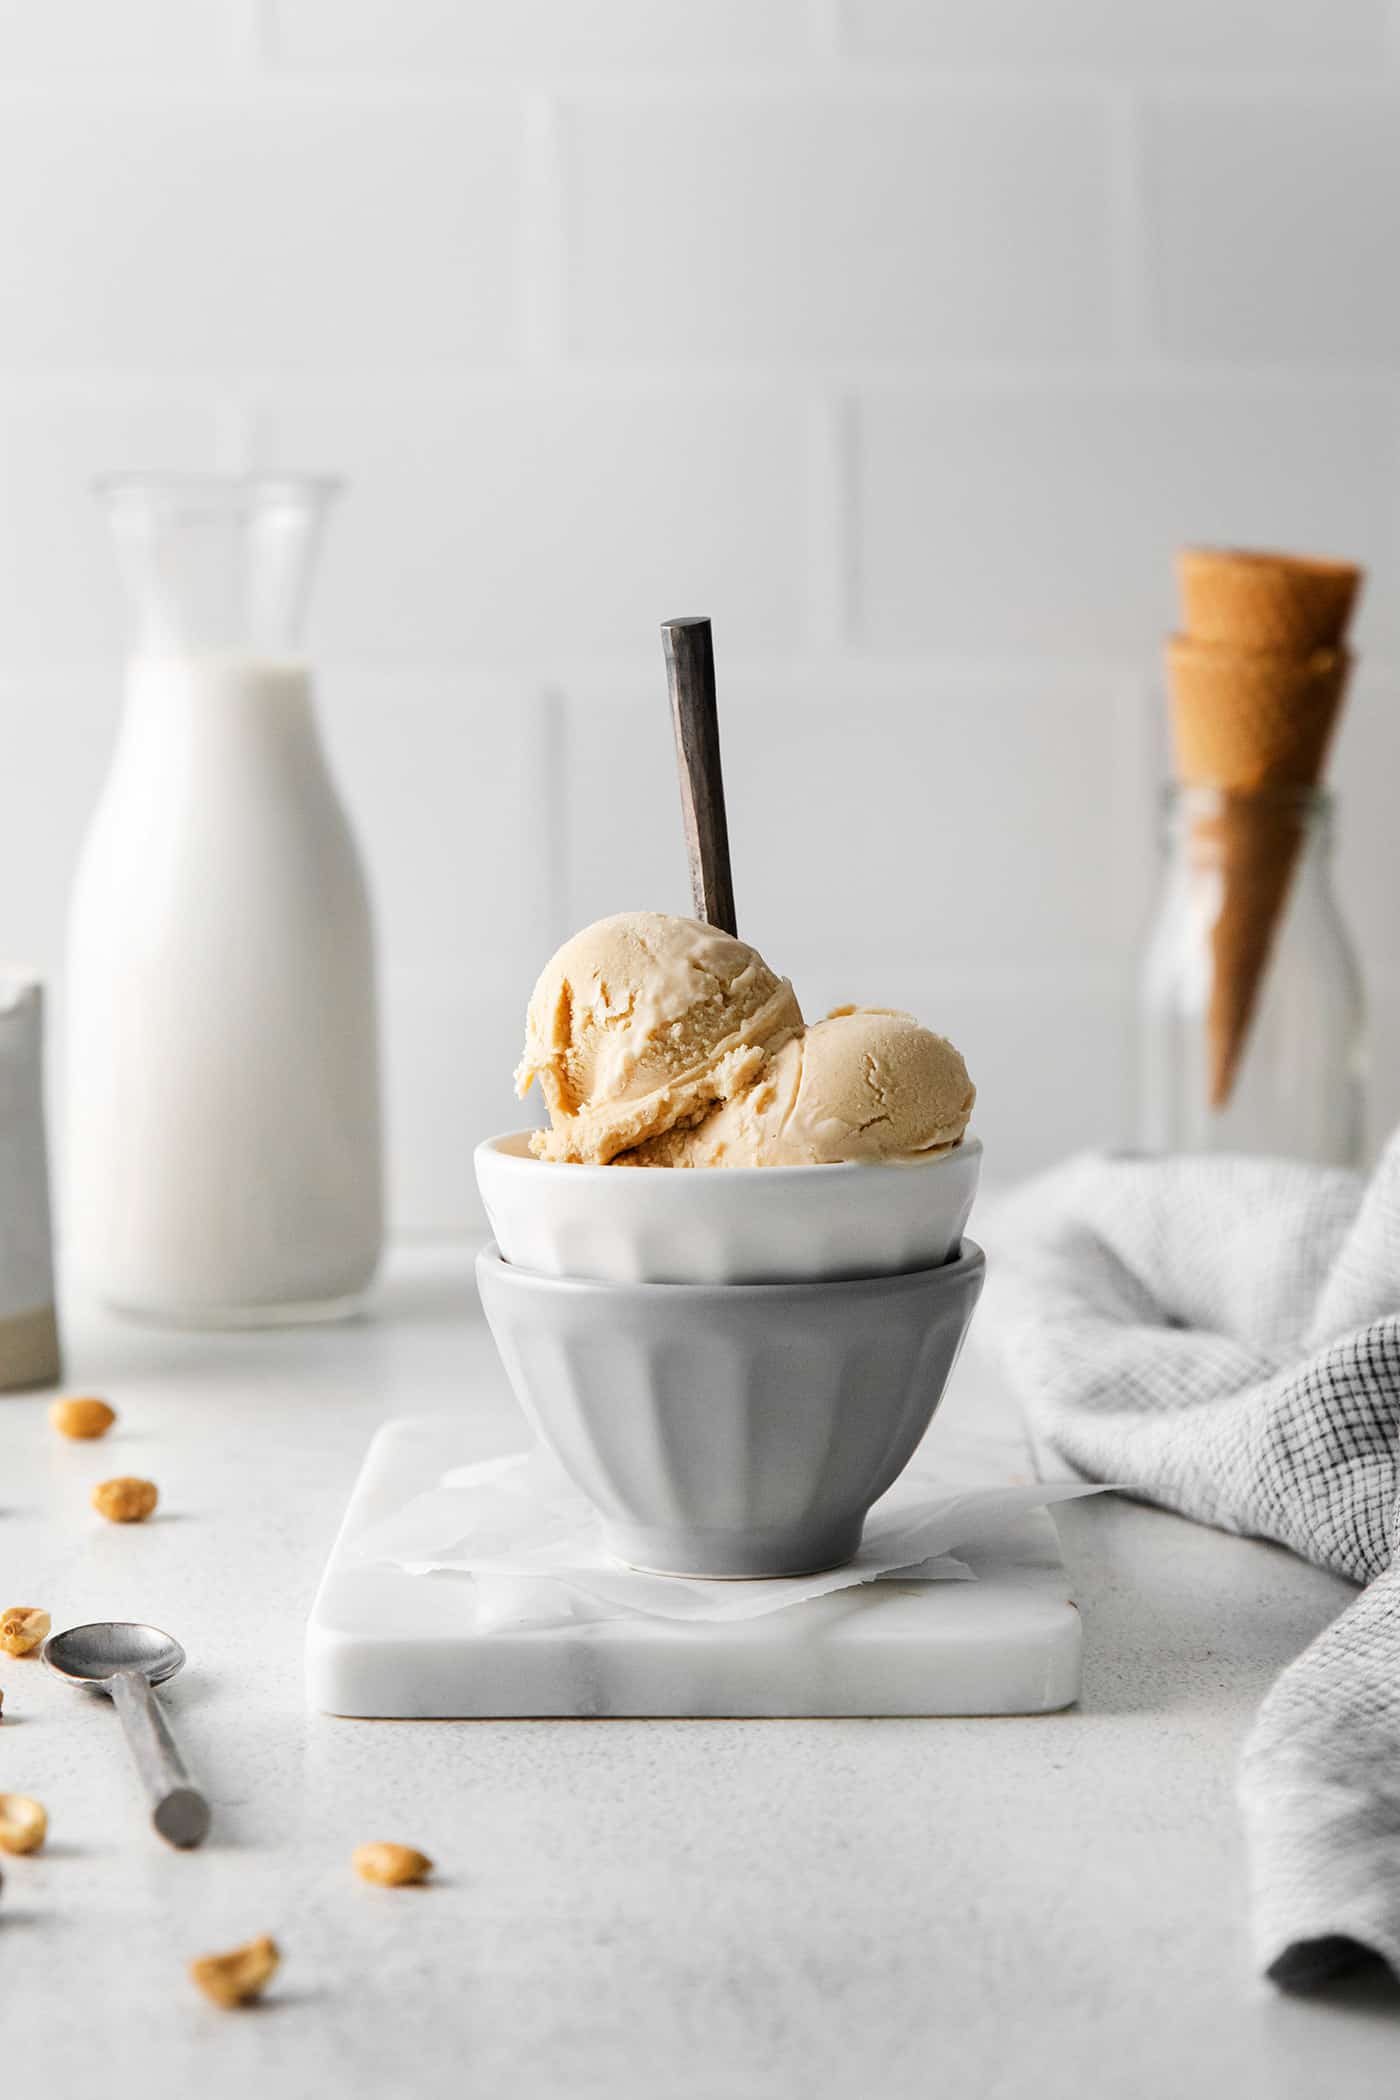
(123, 1659)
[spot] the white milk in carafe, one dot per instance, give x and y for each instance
(222, 1075)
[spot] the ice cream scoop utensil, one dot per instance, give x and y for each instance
(690, 675)
(125, 1660)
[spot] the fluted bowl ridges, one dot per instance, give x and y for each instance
(731, 1429)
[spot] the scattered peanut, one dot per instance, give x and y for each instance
(24, 1824)
(239, 1977)
(125, 1500)
(2, 1703)
(22, 1628)
(390, 1865)
(82, 1417)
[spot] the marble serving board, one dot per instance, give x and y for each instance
(384, 1644)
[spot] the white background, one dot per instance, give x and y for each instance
(904, 337)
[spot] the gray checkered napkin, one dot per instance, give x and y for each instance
(1225, 1334)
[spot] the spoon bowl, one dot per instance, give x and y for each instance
(94, 1654)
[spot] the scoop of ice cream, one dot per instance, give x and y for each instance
(865, 1084)
(640, 1024)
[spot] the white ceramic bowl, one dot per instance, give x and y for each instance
(724, 1224)
(731, 1429)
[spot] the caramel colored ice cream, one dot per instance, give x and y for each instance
(865, 1084)
(642, 1024)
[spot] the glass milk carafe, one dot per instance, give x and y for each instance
(1251, 1012)
(222, 1042)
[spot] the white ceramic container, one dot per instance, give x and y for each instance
(725, 1224)
(731, 1430)
(29, 1353)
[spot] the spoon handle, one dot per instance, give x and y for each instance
(178, 1809)
(690, 673)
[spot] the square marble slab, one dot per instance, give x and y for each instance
(382, 1644)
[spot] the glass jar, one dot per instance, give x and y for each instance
(223, 1063)
(1251, 1009)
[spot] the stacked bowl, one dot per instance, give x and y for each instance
(732, 1363)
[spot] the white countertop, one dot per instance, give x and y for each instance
(691, 1908)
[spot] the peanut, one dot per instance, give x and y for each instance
(24, 1824)
(22, 1628)
(82, 1417)
(125, 1500)
(239, 1977)
(392, 1866)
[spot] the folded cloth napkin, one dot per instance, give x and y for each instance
(1225, 1334)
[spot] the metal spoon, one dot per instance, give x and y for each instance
(124, 1660)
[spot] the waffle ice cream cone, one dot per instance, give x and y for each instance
(1255, 726)
(1249, 719)
(1285, 602)
(1251, 843)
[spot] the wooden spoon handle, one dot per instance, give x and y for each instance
(690, 674)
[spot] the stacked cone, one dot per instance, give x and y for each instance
(1257, 679)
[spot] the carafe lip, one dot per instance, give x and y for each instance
(1201, 797)
(1201, 816)
(196, 494)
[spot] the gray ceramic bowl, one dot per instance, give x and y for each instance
(731, 1429)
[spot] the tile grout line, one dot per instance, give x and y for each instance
(541, 289)
(825, 32)
(252, 42)
(846, 438)
(1145, 376)
(827, 563)
(1128, 212)
(236, 431)
(554, 732)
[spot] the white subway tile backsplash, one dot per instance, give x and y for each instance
(954, 821)
(934, 824)
(620, 762)
(1006, 520)
(907, 340)
(1275, 226)
(446, 774)
(57, 738)
(1052, 1053)
(1144, 36)
(811, 227)
(938, 826)
(443, 770)
(115, 37)
(174, 235)
(535, 35)
(451, 1044)
(544, 525)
